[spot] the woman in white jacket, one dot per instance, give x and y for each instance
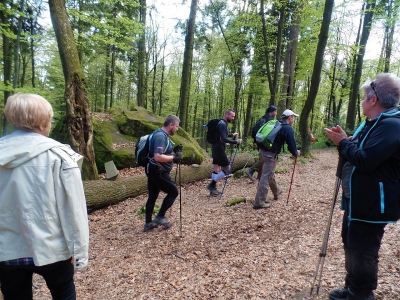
(43, 216)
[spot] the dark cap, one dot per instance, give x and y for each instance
(270, 109)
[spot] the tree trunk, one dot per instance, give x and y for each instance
(290, 60)
(266, 55)
(141, 92)
(17, 49)
(112, 75)
(7, 61)
(79, 121)
(100, 193)
(107, 80)
(351, 112)
(187, 67)
(315, 79)
(278, 55)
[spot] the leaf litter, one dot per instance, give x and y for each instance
(228, 252)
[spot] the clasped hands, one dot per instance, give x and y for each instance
(336, 134)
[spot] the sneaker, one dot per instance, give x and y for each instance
(213, 190)
(263, 205)
(276, 197)
(149, 226)
(162, 221)
(339, 293)
(249, 173)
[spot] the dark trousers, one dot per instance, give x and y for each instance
(156, 182)
(16, 281)
(361, 242)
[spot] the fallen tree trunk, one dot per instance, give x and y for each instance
(100, 193)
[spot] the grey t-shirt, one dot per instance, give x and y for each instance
(162, 144)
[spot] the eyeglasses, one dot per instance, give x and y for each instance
(372, 84)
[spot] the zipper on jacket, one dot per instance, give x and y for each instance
(382, 194)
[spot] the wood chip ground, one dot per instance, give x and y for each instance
(228, 252)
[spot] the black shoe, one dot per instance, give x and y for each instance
(339, 293)
(360, 295)
(149, 226)
(213, 190)
(162, 221)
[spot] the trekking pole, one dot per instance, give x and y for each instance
(322, 254)
(291, 181)
(179, 148)
(230, 171)
(180, 198)
(251, 155)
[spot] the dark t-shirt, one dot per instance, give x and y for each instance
(223, 132)
(161, 144)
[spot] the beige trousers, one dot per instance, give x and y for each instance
(269, 161)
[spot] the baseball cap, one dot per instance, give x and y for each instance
(288, 113)
(271, 108)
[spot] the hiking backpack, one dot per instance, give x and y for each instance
(267, 133)
(256, 127)
(142, 150)
(212, 131)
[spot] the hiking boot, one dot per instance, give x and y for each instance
(263, 205)
(360, 295)
(250, 173)
(149, 226)
(339, 293)
(276, 197)
(162, 221)
(213, 190)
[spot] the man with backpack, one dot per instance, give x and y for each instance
(270, 114)
(220, 160)
(370, 183)
(158, 170)
(269, 159)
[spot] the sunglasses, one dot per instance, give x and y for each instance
(372, 84)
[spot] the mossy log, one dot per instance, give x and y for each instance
(235, 201)
(100, 193)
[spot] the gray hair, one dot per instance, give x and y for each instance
(171, 119)
(387, 88)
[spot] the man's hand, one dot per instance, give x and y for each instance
(336, 134)
(178, 148)
(298, 153)
(239, 141)
(177, 157)
(235, 135)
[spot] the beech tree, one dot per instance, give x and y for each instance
(316, 76)
(79, 121)
(187, 67)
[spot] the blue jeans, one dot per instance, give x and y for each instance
(16, 281)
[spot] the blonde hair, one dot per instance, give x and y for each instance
(28, 111)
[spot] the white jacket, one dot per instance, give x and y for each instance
(43, 211)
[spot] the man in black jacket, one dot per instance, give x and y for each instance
(269, 159)
(270, 114)
(220, 160)
(370, 183)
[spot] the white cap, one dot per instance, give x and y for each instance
(288, 113)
